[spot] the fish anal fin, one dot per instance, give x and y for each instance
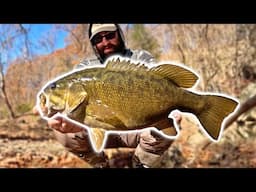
(98, 137)
(166, 127)
(170, 131)
(180, 76)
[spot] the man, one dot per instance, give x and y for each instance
(108, 40)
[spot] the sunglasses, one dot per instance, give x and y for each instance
(98, 38)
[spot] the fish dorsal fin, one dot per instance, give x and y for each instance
(116, 64)
(98, 137)
(179, 75)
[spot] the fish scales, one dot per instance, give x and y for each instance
(134, 98)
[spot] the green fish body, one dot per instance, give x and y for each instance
(124, 96)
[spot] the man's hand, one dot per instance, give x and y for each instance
(35, 111)
(60, 124)
(177, 116)
(63, 125)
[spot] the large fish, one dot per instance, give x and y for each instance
(125, 95)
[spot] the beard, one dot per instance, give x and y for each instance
(116, 50)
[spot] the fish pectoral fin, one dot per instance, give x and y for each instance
(166, 127)
(75, 100)
(97, 137)
(179, 75)
(76, 106)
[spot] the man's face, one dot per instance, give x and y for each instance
(107, 43)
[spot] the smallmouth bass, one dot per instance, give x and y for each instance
(123, 96)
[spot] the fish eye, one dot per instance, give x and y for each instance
(52, 85)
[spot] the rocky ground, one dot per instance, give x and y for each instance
(27, 142)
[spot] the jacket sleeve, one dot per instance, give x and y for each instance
(74, 142)
(87, 62)
(143, 55)
(149, 145)
(79, 144)
(150, 149)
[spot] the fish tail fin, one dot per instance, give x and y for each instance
(216, 110)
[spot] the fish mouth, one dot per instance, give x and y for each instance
(46, 108)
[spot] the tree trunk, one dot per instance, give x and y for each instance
(4, 95)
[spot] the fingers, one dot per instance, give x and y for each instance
(35, 110)
(177, 116)
(63, 125)
(55, 124)
(152, 141)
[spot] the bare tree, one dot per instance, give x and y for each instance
(15, 44)
(8, 33)
(3, 90)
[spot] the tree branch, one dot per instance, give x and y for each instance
(244, 107)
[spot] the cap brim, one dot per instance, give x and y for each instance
(105, 28)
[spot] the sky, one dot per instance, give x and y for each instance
(37, 33)
(37, 37)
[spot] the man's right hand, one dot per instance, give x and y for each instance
(63, 125)
(60, 124)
